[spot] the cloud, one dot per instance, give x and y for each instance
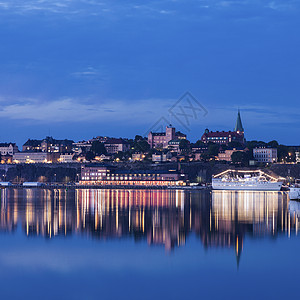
(73, 110)
(87, 72)
(151, 8)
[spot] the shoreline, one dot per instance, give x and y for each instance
(121, 187)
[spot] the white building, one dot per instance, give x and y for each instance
(8, 148)
(159, 157)
(297, 157)
(265, 155)
(66, 158)
(32, 157)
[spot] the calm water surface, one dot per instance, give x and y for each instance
(146, 244)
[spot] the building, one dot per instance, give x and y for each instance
(113, 145)
(49, 144)
(67, 158)
(161, 139)
(174, 145)
(103, 157)
(138, 156)
(180, 136)
(225, 137)
(101, 139)
(265, 155)
(226, 154)
(159, 157)
(103, 175)
(33, 157)
(297, 157)
(8, 149)
(81, 147)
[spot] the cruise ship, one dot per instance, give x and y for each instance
(245, 180)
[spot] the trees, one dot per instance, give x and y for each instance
(241, 157)
(272, 144)
(235, 144)
(199, 143)
(89, 156)
(255, 144)
(213, 149)
(98, 148)
(184, 145)
(140, 144)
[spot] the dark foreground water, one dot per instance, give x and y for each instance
(145, 244)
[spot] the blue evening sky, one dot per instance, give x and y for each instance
(81, 68)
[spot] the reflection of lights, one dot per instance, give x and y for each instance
(163, 217)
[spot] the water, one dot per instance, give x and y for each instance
(148, 244)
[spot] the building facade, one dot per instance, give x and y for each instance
(225, 137)
(32, 157)
(161, 139)
(67, 158)
(49, 144)
(226, 154)
(265, 155)
(102, 175)
(8, 148)
(174, 145)
(81, 147)
(297, 157)
(113, 146)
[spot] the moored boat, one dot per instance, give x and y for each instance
(245, 180)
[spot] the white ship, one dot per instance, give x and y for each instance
(295, 191)
(245, 180)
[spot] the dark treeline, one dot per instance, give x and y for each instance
(30, 172)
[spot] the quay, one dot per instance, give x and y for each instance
(122, 187)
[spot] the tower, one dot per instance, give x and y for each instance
(239, 126)
(170, 133)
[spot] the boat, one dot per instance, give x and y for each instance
(245, 180)
(294, 192)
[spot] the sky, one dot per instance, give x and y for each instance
(83, 68)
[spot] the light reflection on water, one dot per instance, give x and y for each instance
(147, 244)
(160, 217)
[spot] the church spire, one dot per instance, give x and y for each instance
(238, 125)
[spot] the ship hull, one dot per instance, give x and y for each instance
(258, 186)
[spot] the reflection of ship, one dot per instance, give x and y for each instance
(245, 180)
(295, 191)
(294, 208)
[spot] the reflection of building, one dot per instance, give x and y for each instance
(157, 216)
(160, 217)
